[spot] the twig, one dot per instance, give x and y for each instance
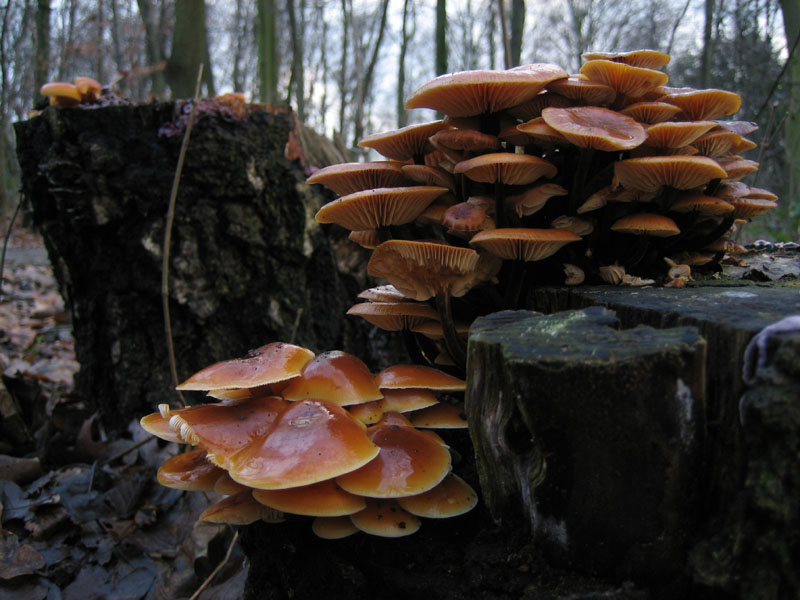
(296, 325)
(5, 244)
(217, 569)
(780, 75)
(168, 236)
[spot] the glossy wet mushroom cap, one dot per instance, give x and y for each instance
(322, 499)
(312, 440)
(265, 365)
(333, 528)
(89, 88)
(385, 518)
(61, 93)
(335, 376)
(418, 376)
(452, 497)
(240, 509)
(439, 416)
(156, 424)
(402, 400)
(190, 471)
(408, 463)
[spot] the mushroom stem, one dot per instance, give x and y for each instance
(384, 233)
(515, 282)
(585, 157)
(455, 347)
(500, 204)
(416, 351)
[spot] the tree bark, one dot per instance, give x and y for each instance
(298, 74)
(402, 114)
(708, 44)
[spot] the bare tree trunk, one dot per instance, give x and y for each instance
(365, 85)
(99, 44)
(517, 29)
(115, 41)
(152, 47)
(441, 37)
(298, 75)
(791, 24)
(708, 43)
(343, 67)
(501, 9)
(402, 114)
(268, 58)
(68, 45)
(189, 47)
(4, 204)
(237, 56)
(41, 66)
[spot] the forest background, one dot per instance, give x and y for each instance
(346, 66)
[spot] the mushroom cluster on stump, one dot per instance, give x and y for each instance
(536, 148)
(318, 436)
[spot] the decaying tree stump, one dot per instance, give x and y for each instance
(249, 265)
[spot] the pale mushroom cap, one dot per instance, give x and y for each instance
(405, 143)
(676, 134)
(89, 88)
(649, 59)
(370, 209)
(239, 509)
(418, 376)
(430, 176)
(699, 105)
(310, 441)
(408, 463)
(333, 528)
(394, 316)
(538, 130)
(595, 127)
(709, 206)
(337, 377)
(385, 518)
(322, 499)
(190, 471)
(582, 90)
(348, 178)
(366, 238)
(469, 93)
(646, 224)
(421, 270)
(452, 497)
(749, 208)
(267, 364)
(506, 167)
(382, 293)
(520, 243)
(627, 80)
(651, 112)
(652, 172)
(736, 167)
(533, 108)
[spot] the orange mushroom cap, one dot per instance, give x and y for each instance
(646, 224)
(439, 416)
(452, 497)
(310, 441)
(469, 93)
(394, 316)
(418, 376)
(627, 80)
(404, 143)
(321, 499)
(385, 518)
(408, 463)
(156, 424)
(520, 243)
(240, 509)
(337, 377)
(268, 364)
(61, 93)
(190, 471)
(681, 172)
(348, 178)
(506, 167)
(595, 127)
(333, 528)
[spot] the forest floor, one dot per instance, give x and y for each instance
(81, 514)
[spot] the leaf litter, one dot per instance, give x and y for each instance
(81, 514)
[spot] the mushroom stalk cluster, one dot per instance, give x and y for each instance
(318, 436)
(538, 176)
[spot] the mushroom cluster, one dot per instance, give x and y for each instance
(320, 436)
(538, 176)
(85, 90)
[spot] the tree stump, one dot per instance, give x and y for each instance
(248, 264)
(594, 432)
